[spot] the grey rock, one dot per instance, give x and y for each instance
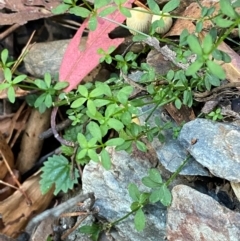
(196, 216)
(45, 58)
(170, 152)
(112, 198)
(217, 146)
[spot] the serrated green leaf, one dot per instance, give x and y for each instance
(115, 142)
(139, 220)
(227, 9)
(216, 69)
(115, 124)
(56, 170)
(170, 6)
(95, 130)
(105, 159)
(133, 192)
(80, 11)
(11, 94)
(194, 44)
(141, 146)
(62, 8)
(165, 195)
(78, 102)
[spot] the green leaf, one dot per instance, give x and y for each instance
(126, 117)
(139, 220)
(223, 23)
(83, 90)
(95, 130)
(62, 8)
(115, 142)
(126, 145)
(4, 56)
(154, 196)
(227, 9)
(96, 92)
(105, 159)
(7, 74)
(101, 102)
(193, 68)
(56, 170)
(194, 44)
(216, 69)
(80, 11)
(19, 79)
(40, 84)
(153, 6)
(178, 103)
(141, 146)
(149, 183)
(92, 23)
(155, 175)
(81, 154)
(40, 100)
(124, 11)
(91, 107)
(107, 11)
(78, 102)
(165, 195)
(61, 85)
(11, 94)
(124, 93)
(101, 3)
(213, 80)
(47, 79)
(143, 198)
(207, 44)
(48, 100)
(4, 86)
(93, 155)
(115, 124)
(82, 141)
(89, 229)
(133, 192)
(170, 6)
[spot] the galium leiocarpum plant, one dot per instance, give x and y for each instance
(97, 108)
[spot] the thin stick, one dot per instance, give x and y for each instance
(9, 30)
(9, 185)
(29, 202)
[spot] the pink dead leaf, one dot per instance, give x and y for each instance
(76, 63)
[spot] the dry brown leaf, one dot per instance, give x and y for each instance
(16, 213)
(31, 144)
(6, 152)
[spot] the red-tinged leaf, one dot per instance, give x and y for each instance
(77, 63)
